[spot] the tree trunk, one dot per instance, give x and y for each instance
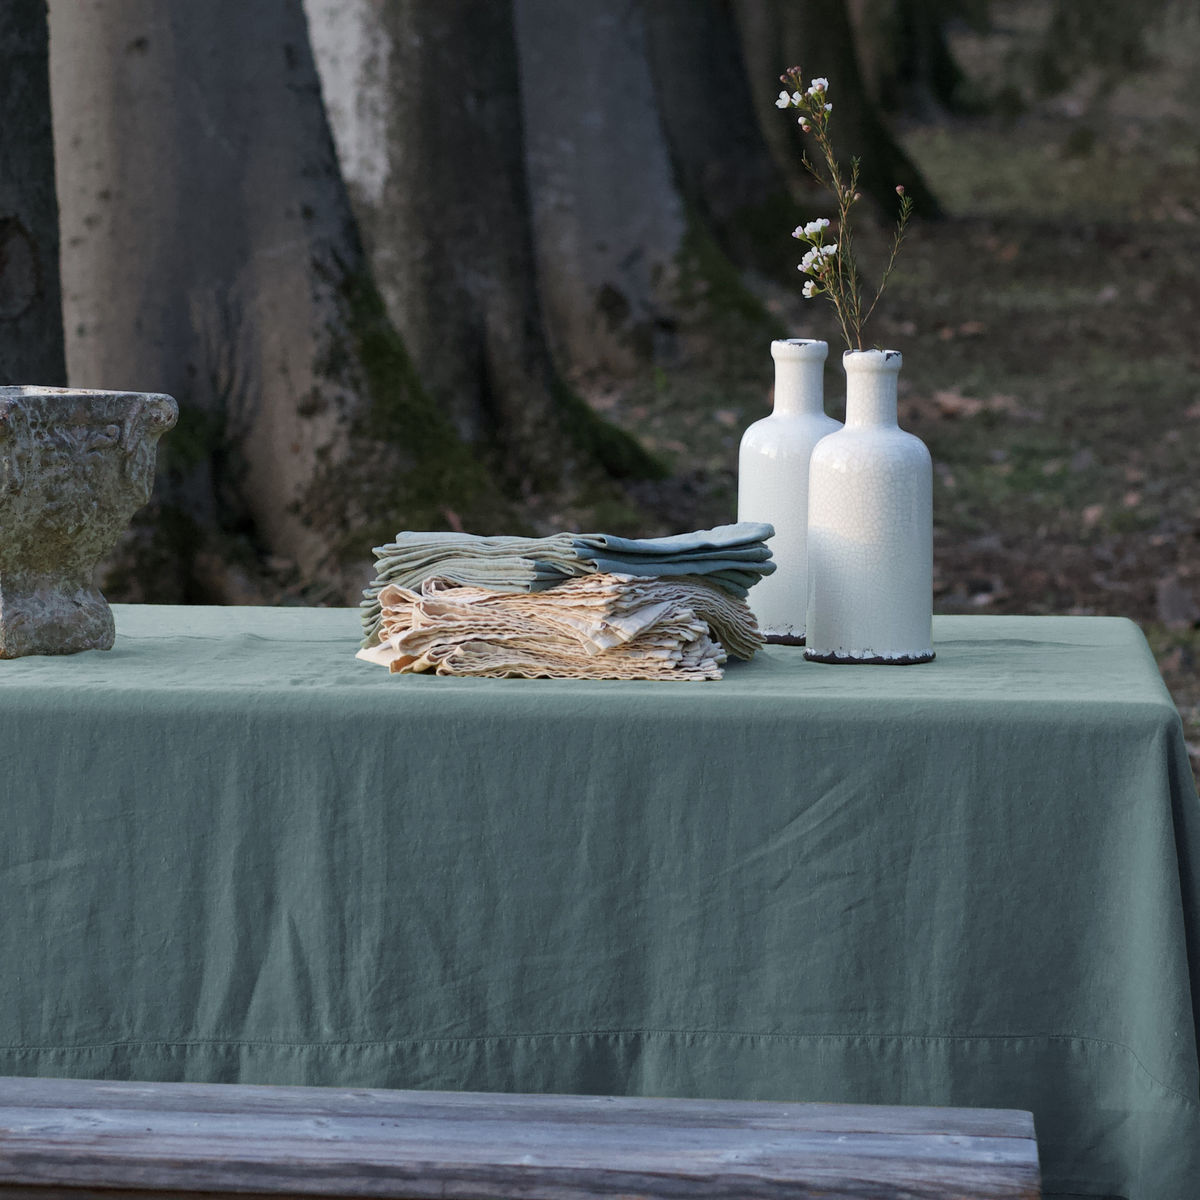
(722, 162)
(608, 220)
(213, 256)
(758, 36)
(926, 81)
(905, 58)
(449, 232)
(817, 35)
(31, 327)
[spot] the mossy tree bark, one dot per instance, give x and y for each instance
(450, 240)
(724, 166)
(609, 222)
(905, 56)
(623, 243)
(31, 330)
(214, 256)
(818, 36)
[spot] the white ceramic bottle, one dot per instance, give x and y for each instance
(870, 528)
(773, 482)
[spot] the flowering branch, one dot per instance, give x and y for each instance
(830, 265)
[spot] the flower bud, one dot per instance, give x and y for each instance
(899, 189)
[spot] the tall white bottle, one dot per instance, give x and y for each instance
(773, 482)
(870, 528)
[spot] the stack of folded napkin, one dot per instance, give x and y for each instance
(734, 557)
(589, 606)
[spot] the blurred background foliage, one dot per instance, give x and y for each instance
(516, 266)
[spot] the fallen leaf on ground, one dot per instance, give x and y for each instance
(952, 403)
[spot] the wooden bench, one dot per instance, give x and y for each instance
(61, 1138)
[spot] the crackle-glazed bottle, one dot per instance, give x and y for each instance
(870, 528)
(773, 482)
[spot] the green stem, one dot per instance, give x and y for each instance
(840, 279)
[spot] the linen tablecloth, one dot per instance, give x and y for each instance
(231, 852)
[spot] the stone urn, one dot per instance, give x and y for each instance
(74, 467)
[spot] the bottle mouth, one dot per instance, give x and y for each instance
(878, 360)
(799, 348)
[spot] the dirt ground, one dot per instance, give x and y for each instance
(1051, 359)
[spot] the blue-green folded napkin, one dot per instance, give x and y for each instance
(747, 536)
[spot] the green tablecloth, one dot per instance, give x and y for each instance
(230, 852)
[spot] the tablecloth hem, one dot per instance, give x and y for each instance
(433, 1044)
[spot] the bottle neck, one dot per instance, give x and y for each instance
(870, 396)
(799, 386)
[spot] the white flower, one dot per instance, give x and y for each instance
(797, 98)
(800, 231)
(784, 100)
(817, 259)
(818, 85)
(810, 290)
(815, 226)
(829, 108)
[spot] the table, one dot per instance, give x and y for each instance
(232, 853)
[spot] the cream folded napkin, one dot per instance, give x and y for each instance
(600, 626)
(734, 557)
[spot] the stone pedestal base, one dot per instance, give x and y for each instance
(52, 616)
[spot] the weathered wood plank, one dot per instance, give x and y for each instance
(69, 1137)
(378, 1102)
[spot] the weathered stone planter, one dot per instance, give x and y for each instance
(74, 467)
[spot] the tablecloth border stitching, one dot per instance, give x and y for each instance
(610, 1034)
